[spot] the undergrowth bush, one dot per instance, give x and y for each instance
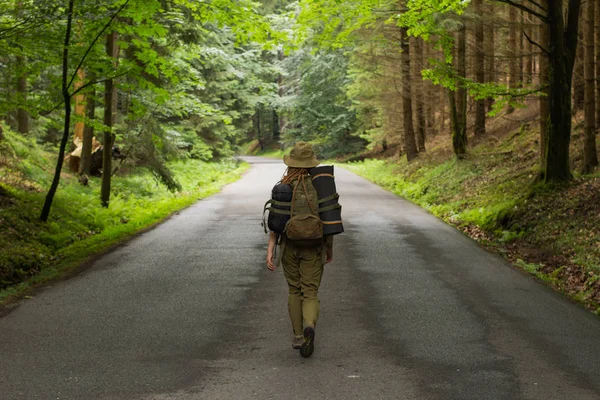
(78, 224)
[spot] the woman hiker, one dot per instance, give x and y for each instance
(302, 260)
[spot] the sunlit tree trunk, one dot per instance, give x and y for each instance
(88, 132)
(590, 154)
(79, 105)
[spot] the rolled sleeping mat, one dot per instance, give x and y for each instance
(280, 207)
(330, 209)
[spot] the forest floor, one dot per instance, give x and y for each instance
(552, 232)
(79, 227)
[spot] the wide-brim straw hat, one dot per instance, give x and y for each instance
(301, 156)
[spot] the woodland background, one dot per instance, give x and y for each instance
(484, 112)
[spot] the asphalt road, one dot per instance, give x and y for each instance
(411, 309)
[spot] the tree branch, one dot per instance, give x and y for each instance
(536, 44)
(88, 84)
(94, 82)
(524, 8)
(538, 5)
(89, 49)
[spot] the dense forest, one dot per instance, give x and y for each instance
(96, 91)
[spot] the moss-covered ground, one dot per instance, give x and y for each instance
(34, 252)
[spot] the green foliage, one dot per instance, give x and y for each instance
(318, 108)
(80, 225)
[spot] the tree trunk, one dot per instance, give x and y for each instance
(544, 78)
(529, 53)
(257, 126)
(276, 125)
(88, 132)
(458, 107)
(429, 97)
(479, 67)
(79, 105)
(418, 94)
(513, 73)
(490, 56)
(590, 154)
(110, 97)
(22, 114)
(521, 58)
(597, 40)
(280, 93)
(563, 48)
(442, 102)
(410, 145)
(67, 101)
(578, 77)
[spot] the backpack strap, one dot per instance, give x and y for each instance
(329, 208)
(329, 198)
(306, 193)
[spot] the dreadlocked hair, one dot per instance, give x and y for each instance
(293, 174)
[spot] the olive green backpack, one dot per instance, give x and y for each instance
(305, 223)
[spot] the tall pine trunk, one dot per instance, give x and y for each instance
(590, 154)
(410, 145)
(110, 100)
(578, 85)
(490, 68)
(88, 131)
(458, 101)
(597, 40)
(429, 97)
(513, 72)
(479, 67)
(563, 48)
(419, 94)
(544, 78)
(529, 65)
(22, 114)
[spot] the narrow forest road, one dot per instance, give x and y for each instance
(411, 309)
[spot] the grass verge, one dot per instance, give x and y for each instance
(549, 231)
(35, 252)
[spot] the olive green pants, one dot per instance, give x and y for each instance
(303, 269)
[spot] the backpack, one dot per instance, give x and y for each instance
(305, 223)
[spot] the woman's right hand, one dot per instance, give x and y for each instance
(270, 260)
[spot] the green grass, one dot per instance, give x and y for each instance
(34, 252)
(462, 192)
(550, 231)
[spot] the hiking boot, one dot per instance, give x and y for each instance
(308, 347)
(298, 342)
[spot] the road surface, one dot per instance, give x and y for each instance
(411, 309)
